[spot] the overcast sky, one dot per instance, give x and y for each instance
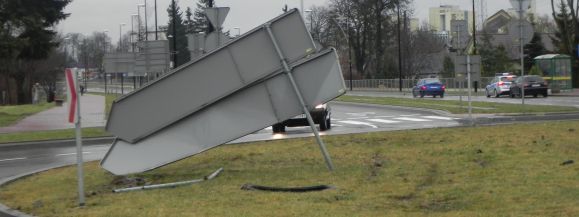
(87, 16)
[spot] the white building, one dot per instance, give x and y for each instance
(440, 17)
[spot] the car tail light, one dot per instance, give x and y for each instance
(423, 87)
(501, 83)
(443, 87)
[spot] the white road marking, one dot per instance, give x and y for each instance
(337, 125)
(361, 114)
(438, 117)
(412, 119)
(358, 123)
(385, 116)
(68, 154)
(409, 115)
(383, 121)
(13, 159)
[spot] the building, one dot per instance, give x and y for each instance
(440, 17)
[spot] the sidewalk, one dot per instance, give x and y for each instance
(92, 114)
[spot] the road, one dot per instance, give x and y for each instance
(552, 100)
(346, 118)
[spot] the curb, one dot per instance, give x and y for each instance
(60, 143)
(439, 112)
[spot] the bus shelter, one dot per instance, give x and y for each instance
(557, 71)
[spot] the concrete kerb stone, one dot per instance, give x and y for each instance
(61, 143)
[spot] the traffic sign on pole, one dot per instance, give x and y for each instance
(74, 117)
(72, 95)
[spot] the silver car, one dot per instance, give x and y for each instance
(500, 85)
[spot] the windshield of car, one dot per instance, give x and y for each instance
(535, 79)
(432, 81)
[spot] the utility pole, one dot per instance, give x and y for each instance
(156, 30)
(399, 50)
(146, 28)
(173, 15)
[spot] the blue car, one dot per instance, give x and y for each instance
(429, 87)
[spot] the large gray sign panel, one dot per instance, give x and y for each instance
(244, 112)
(153, 57)
(198, 84)
(119, 62)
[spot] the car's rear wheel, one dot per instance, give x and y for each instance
(421, 95)
(497, 95)
(323, 122)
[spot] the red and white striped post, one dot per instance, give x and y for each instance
(72, 87)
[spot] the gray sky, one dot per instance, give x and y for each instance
(88, 16)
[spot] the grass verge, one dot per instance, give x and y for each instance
(109, 99)
(454, 106)
(51, 135)
(509, 170)
(11, 114)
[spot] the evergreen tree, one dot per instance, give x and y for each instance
(27, 35)
(495, 59)
(178, 41)
(200, 22)
(447, 68)
(532, 50)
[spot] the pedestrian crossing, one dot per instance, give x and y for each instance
(402, 119)
(381, 121)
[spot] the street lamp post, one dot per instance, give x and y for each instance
(520, 6)
(133, 31)
(105, 50)
(347, 35)
(399, 50)
(139, 23)
(121, 36)
(156, 31)
(146, 27)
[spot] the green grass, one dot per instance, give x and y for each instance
(508, 170)
(109, 99)
(12, 114)
(50, 135)
(454, 106)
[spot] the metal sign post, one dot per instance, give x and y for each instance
(468, 66)
(288, 72)
(468, 71)
(74, 117)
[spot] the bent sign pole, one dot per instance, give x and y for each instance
(288, 72)
(74, 117)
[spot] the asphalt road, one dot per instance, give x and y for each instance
(551, 100)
